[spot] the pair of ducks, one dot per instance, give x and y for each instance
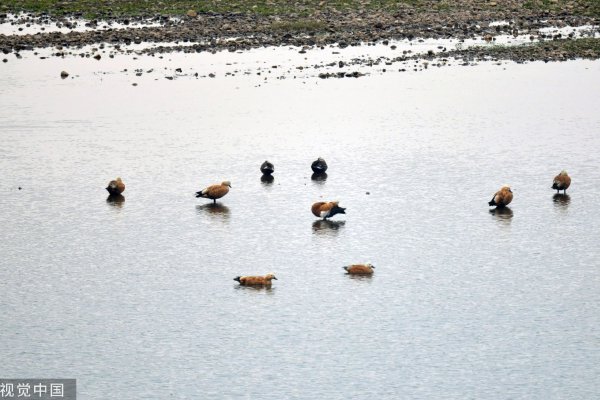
(266, 281)
(214, 192)
(320, 209)
(319, 166)
(504, 196)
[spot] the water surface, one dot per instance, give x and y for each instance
(135, 295)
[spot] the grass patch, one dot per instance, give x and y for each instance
(582, 7)
(579, 45)
(299, 26)
(300, 8)
(121, 8)
(584, 47)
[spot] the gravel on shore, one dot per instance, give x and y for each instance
(198, 31)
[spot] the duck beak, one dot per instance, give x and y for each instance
(275, 278)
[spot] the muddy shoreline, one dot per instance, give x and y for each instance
(200, 32)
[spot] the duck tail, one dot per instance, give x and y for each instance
(346, 267)
(237, 278)
(337, 210)
(199, 194)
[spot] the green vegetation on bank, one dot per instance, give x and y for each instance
(552, 49)
(583, 7)
(302, 25)
(116, 8)
(122, 8)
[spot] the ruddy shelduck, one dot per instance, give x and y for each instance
(255, 280)
(327, 209)
(360, 269)
(561, 181)
(267, 168)
(116, 187)
(502, 197)
(319, 166)
(215, 192)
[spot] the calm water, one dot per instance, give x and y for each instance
(135, 299)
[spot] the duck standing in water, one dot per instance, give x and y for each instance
(561, 181)
(326, 210)
(215, 192)
(360, 269)
(319, 166)
(255, 280)
(502, 197)
(267, 168)
(116, 187)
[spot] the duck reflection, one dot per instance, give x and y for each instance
(115, 200)
(367, 278)
(214, 210)
(267, 179)
(502, 214)
(561, 200)
(255, 289)
(319, 177)
(327, 227)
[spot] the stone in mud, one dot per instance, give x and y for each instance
(97, 56)
(64, 74)
(191, 14)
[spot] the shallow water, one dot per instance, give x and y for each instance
(157, 61)
(136, 295)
